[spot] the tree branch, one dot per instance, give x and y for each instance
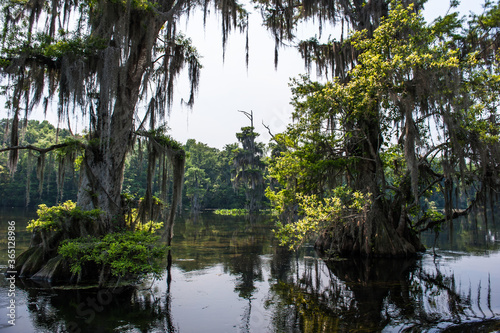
(455, 213)
(269, 131)
(38, 149)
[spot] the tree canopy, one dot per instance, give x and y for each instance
(415, 115)
(411, 109)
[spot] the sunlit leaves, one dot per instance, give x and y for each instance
(58, 217)
(420, 103)
(341, 205)
(136, 253)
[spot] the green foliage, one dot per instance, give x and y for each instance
(190, 52)
(160, 137)
(53, 218)
(134, 223)
(136, 253)
(196, 184)
(207, 179)
(249, 168)
(54, 48)
(417, 116)
(44, 187)
(76, 46)
(232, 212)
(339, 206)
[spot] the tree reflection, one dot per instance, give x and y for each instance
(471, 234)
(125, 309)
(303, 293)
(374, 295)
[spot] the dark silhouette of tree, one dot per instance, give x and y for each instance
(249, 167)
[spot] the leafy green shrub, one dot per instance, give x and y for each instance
(53, 218)
(124, 253)
(340, 206)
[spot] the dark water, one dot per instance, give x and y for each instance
(228, 275)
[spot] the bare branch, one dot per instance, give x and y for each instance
(269, 131)
(38, 149)
(249, 116)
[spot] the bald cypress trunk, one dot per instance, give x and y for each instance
(104, 159)
(103, 165)
(382, 231)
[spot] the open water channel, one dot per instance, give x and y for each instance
(229, 275)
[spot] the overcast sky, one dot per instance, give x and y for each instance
(226, 87)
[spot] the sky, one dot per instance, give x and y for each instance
(228, 86)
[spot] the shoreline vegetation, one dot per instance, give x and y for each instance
(232, 212)
(336, 174)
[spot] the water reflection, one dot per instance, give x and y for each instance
(378, 295)
(228, 275)
(103, 310)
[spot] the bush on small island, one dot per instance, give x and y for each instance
(70, 239)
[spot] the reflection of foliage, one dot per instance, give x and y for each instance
(373, 295)
(206, 239)
(293, 303)
(249, 268)
(99, 310)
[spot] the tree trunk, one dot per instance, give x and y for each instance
(379, 232)
(104, 160)
(101, 183)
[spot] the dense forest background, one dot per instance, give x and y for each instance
(207, 181)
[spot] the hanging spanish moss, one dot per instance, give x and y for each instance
(40, 172)
(163, 153)
(396, 125)
(108, 61)
(335, 56)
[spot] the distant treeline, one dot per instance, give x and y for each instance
(207, 183)
(22, 188)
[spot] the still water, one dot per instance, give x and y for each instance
(229, 275)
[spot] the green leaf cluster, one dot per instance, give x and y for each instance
(165, 140)
(55, 48)
(136, 253)
(231, 212)
(341, 205)
(54, 218)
